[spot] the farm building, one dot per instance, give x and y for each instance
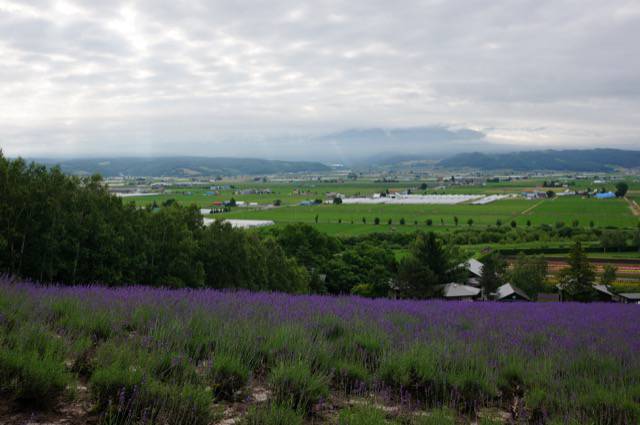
(508, 292)
(474, 271)
(603, 293)
(605, 195)
(459, 292)
(241, 224)
(630, 297)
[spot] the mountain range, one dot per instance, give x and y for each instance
(552, 160)
(181, 166)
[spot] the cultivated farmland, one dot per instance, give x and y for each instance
(141, 355)
(347, 219)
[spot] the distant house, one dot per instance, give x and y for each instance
(603, 293)
(508, 292)
(458, 292)
(474, 271)
(630, 297)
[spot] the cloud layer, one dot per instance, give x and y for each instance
(214, 77)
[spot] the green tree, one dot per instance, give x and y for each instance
(337, 200)
(613, 239)
(609, 275)
(470, 222)
(529, 273)
(621, 189)
(455, 219)
(577, 279)
(493, 273)
(363, 264)
(429, 264)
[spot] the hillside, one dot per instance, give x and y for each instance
(556, 160)
(182, 166)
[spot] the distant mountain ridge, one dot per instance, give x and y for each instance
(552, 160)
(181, 166)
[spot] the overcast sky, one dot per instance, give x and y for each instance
(207, 77)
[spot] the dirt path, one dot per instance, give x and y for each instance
(633, 205)
(528, 210)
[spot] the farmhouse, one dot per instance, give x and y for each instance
(508, 292)
(630, 297)
(458, 292)
(603, 293)
(474, 271)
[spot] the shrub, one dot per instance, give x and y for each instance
(511, 381)
(365, 347)
(110, 382)
(296, 386)
(350, 376)
(272, 414)
(606, 405)
(286, 343)
(471, 388)
(32, 378)
(156, 402)
(331, 327)
(418, 372)
(228, 376)
(362, 415)
(171, 367)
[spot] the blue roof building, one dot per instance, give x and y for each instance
(605, 195)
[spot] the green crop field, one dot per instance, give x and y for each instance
(602, 212)
(348, 219)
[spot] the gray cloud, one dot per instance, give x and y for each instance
(202, 77)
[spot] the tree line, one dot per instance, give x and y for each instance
(56, 228)
(64, 229)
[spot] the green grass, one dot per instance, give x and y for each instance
(347, 219)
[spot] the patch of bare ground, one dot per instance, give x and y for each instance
(633, 205)
(232, 413)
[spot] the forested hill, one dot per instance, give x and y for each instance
(557, 160)
(181, 166)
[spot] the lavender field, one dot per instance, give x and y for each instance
(141, 355)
